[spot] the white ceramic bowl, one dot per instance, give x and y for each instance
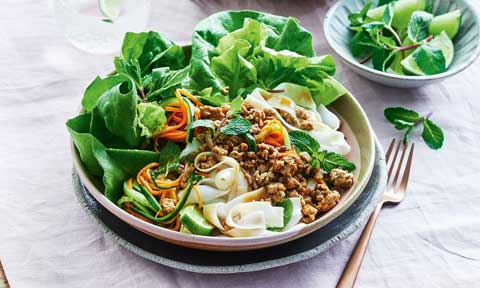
(466, 42)
(358, 133)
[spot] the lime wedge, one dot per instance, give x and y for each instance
(110, 8)
(403, 10)
(449, 22)
(194, 221)
(442, 42)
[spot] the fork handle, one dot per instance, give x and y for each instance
(351, 270)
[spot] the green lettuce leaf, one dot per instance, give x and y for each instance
(152, 50)
(113, 162)
(151, 118)
(274, 68)
(85, 142)
(243, 50)
(114, 118)
(233, 69)
(281, 33)
(97, 88)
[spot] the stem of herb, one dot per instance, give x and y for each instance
(142, 95)
(420, 120)
(365, 59)
(276, 91)
(395, 34)
(414, 45)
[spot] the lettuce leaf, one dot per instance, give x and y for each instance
(152, 50)
(85, 142)
(114, 118)
(151, 118)
(97, 88)
(243, 50)
(115, 170)
(233, 69)
(275, 32)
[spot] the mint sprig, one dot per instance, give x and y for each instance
(405, 119)
(380, 42)
(237, 126)
(303, 142)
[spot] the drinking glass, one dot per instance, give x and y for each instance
(87, 29)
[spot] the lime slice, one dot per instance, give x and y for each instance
(403, 10)
(449, 22)
(442, 42)
(110, 8)
(194, 221)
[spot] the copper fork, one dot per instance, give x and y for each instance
(394, 194)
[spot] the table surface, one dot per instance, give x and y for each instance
(432, 239)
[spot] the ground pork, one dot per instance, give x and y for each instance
(282, 174)
(340, 179)
(168, 204)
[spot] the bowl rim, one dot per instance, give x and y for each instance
(244, 243)
(449, 72)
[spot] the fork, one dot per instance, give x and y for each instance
(392, 195)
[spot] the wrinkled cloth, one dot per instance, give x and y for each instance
(432, 239)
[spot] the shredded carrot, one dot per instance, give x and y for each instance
(177, 223)
(168, 184)
(274, 138)
(171, 108)
(191, 97)
(197, 113)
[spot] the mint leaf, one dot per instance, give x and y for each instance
(388, 14)
(357, 19)
(394, 114)
(361, 44)
(331, 160)
(432, 134)
(382, 59)
(383, 2)
(303, 141)
(169, 158)
(237, 126)
(430, 60)
(235, 107)
(418, 26)
(162, 82)
(201, 123)
(401, 124)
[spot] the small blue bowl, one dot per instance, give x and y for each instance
(466, 42)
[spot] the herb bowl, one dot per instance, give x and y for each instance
(466, 42)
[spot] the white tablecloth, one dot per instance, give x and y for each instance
(432, 239)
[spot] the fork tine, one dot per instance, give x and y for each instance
(403, 184)
(399, 169)
(390, 149)
(392, 163)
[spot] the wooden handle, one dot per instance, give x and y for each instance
(351, 270)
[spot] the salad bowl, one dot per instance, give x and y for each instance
(241, 141)
(466, 42)
(358, 132)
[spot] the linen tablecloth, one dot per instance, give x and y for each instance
(432, 239)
